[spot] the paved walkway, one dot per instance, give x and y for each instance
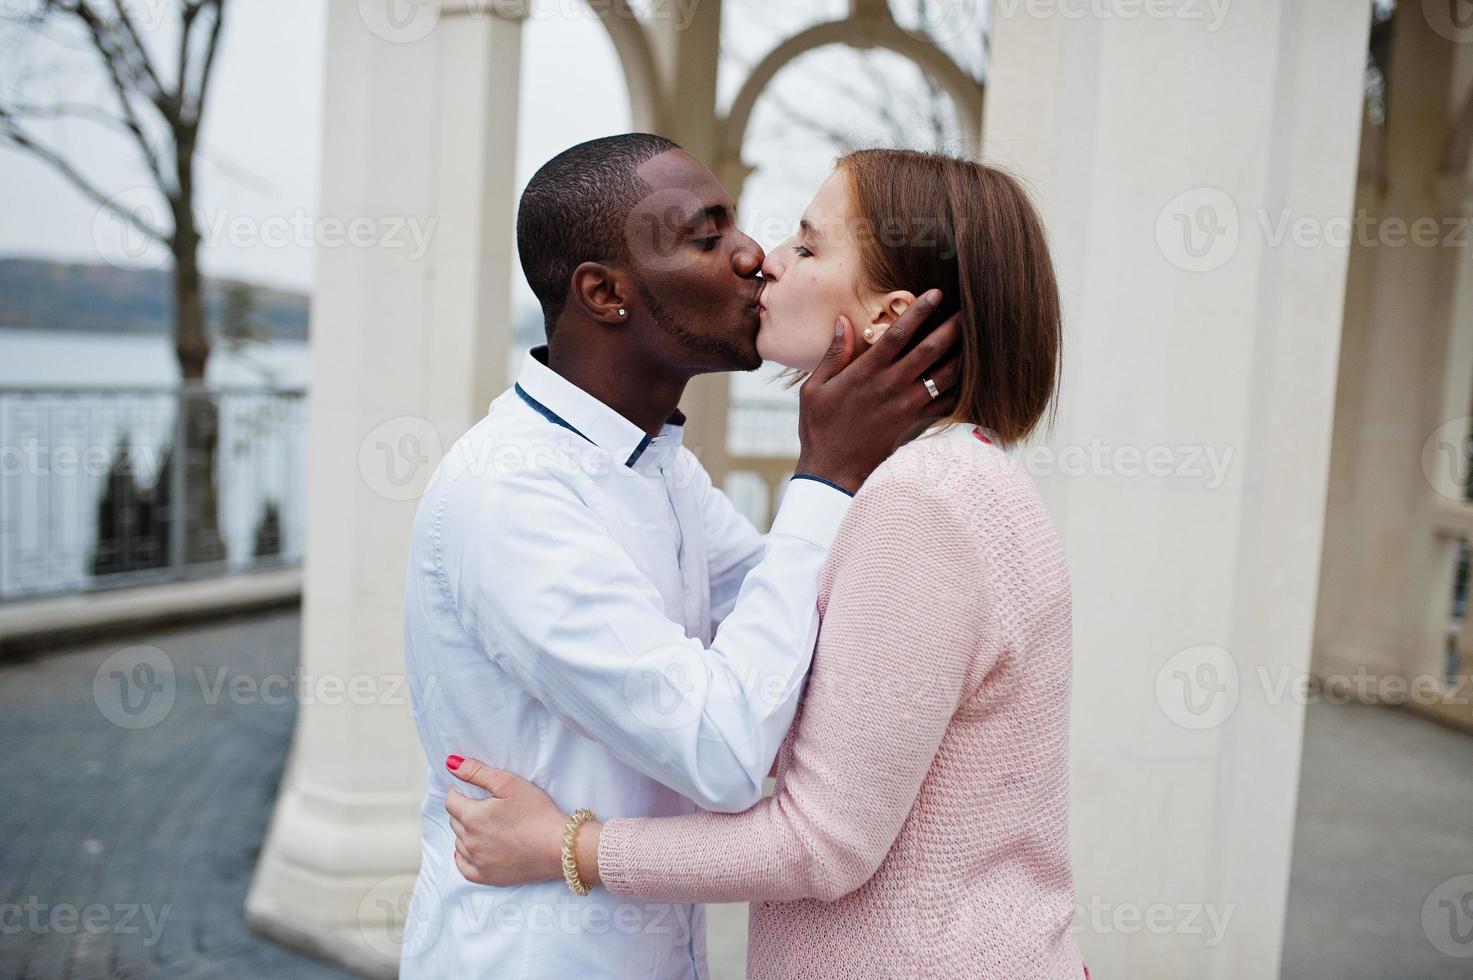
(1383, 849)
(133, 809)
(129, 850)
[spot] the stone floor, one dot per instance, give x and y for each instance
(1385, 821)
(137, 779)
(128, 850)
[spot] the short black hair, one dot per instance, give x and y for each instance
(574, 210)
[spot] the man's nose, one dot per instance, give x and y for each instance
(748, 259)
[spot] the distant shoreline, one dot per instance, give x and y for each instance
(77, 297)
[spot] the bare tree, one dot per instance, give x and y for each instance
(160, 113)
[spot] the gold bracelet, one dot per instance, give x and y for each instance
(570, 839)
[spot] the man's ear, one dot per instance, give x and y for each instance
(601, 292)
(892, 305)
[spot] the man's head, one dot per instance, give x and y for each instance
(630, 239)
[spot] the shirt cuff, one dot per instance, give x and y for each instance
(812, 510)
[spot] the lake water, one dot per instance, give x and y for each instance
(49, 511)
(58, 357)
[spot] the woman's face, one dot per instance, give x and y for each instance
(814, 277)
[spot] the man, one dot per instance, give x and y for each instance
(582, 606)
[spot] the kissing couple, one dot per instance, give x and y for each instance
(608, 660)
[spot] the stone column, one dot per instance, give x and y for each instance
(1187, 472)
(686, 40)
(1406, 377)
(410, 335)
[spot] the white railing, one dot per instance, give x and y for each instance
(90, 496)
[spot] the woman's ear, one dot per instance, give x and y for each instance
(891, 306)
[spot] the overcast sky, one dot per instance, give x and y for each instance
(261, 137)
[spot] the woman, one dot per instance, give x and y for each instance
(919, 826)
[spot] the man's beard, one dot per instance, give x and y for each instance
(735, 358)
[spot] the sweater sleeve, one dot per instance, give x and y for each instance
(903, 631)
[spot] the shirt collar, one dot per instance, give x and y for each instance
(563, 403)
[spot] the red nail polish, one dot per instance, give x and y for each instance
(453, 762)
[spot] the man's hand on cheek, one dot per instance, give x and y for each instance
(854, 410)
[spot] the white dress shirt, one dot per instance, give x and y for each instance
(583, 608)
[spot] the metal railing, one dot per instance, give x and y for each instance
(94, 492)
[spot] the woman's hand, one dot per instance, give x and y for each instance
(513, 838)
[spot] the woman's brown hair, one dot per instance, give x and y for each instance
(969, 230)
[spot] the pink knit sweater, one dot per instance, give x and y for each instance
(920, 823)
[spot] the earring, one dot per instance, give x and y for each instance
(621, 311)
(869, 333)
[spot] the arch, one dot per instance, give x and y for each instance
(858, 32)
(637, 58)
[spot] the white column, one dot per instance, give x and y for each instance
(1158, 142)
(410, 333)
(687, 44)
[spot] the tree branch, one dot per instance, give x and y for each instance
(801, 118)
(197, 104)
(143, 70)
(10, 132)
(116, 62)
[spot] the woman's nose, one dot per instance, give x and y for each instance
(771, 267)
